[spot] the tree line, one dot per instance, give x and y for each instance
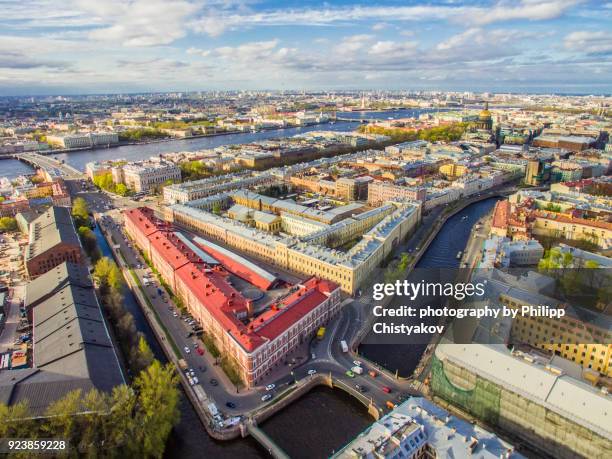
(131, 421)
(447, 133)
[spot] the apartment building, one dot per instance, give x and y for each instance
(379, 192)
(143, 176)
(348, 269)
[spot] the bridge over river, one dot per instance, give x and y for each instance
(51, 166)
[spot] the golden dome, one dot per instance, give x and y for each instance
(485, 114)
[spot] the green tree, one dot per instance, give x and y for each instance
(7, 224)
(101, 273)
(90, 243)
(121, 189)
(61, 421)
(80, 212)
(142, 356)
(16, 421)
(157, 410)
(216, 208)
(115, 278)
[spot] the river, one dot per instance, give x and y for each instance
(12, 168)
(441, 253)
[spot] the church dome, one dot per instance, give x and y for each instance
(485, 114)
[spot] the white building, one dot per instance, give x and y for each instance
(419, 429)
(142, 176)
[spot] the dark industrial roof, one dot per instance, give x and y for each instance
(71, 345)
(52, 227)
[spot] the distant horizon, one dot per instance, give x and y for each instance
(312, 91)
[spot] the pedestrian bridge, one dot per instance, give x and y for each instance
(265, 441)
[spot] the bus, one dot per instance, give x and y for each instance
(320, 333)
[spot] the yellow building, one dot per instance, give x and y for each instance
(587, 344)
(348, 269)
(453, 170)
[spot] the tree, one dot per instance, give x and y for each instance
(115, 278)
(101, 273)
(90, 243)
(80, 212)
(142, 356)
(62, 423)
(157, 409)
(216, 208)
(16, 421)
(7, 224)
(121, 189)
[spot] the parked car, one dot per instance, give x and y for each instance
(270, 387)
(186, 349)
(200, 351)
(214, 382)
(266, 397)
(230, 405)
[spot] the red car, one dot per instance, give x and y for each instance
(200, 351)
(386, 389)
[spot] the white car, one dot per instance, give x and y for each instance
(266, 397)
(175, 314)
(357, 363)
(195, 380)
(186, 349)
(312, 372)
(270, 387)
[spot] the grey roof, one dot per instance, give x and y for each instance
(72, 348)
(51, 228)
(55, 280)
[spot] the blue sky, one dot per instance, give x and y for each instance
(86, 46)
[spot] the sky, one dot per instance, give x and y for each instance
(110, 46)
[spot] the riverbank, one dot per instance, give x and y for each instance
(54, 151)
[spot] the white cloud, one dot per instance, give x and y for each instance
(140, 22)
(380, 26)
(589, 42)
(529, 10)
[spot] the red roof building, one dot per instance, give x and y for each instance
(257, 344)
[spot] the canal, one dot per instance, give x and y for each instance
(440, 260)
(318, 424)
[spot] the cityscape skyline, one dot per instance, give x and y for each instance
(561, 46)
